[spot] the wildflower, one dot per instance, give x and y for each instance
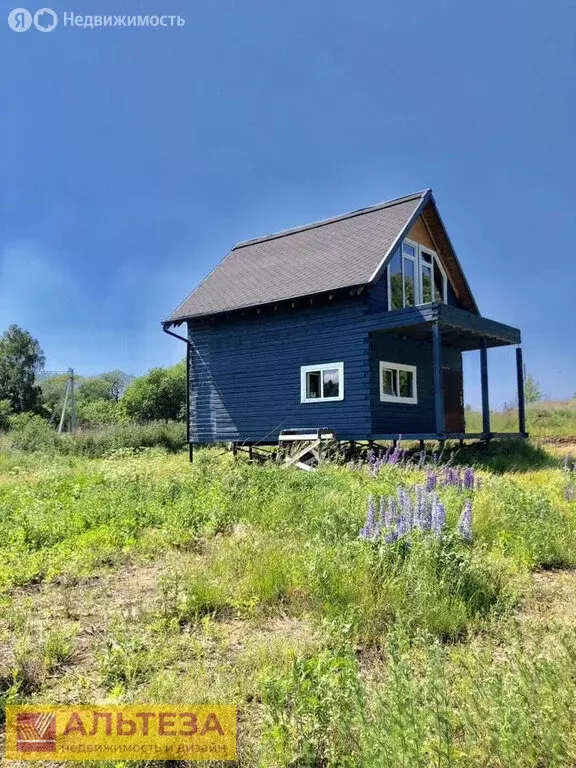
(438, 517)
(390, 517)
(419, 516)
(469, 478)
(431, 480)
(405, 505)
(428, 500)
(404, 519)
(391, 536)
(570, 492)
(465, 521)
(367, 533)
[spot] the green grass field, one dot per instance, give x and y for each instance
(137, 578)
(544, 419)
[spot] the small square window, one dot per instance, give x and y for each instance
(398, 383)
(322, 382)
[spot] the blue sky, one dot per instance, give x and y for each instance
(131, 159)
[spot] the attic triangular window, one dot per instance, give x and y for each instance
(416, 276)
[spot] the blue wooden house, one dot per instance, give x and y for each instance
(356, 324)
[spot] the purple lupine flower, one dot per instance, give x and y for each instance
(438, 516)
(391, 536)
(382, 513)
(371, 457)
(428, 499)
(469, 478)
(431, 480)
(479, 482)
(403, 526)
(404, 521)
(452, 477)
(465, 522)
(435, 457)
(405, 504)
(367, 533)
(419, 515)
(422, 459)
(390, 517)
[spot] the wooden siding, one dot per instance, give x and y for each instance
(388, 418)
(245, 374)
(245, 370)
(420, 234)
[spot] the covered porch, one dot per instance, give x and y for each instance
(448, 328)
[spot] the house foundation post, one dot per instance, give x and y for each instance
(521, 397)
(438, 383)
(484, 384)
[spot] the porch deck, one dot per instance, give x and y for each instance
(452, 327)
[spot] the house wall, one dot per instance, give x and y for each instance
(245, 373)
(389, 418)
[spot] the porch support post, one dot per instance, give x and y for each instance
(484, 383)
(521, 403)
(438, 383)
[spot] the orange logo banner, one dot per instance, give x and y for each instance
(132, 732)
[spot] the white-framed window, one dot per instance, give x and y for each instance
(398, 383)
(322, 383)
(416, 276)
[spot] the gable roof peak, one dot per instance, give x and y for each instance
(332, 219)
(349, 250)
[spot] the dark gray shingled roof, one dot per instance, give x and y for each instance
(345, 251)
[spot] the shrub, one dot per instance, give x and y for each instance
(5, 413)
(313, 712)
(30, 432)
(510, 703)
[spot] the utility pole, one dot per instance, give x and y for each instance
(72, 401)
(69, 394)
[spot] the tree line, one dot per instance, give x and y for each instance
(112, 397)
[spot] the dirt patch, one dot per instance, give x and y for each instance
(553, 599)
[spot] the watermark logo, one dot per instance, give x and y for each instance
(45, 20)
(36, 732)
(130, 732)
(20, 20)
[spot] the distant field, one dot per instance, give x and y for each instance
(546, 419)
(141, 578)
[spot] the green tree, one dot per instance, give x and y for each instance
(532, 391)
(106, 386)
(21, 358)
(53, 390)
(160, 395)
(5, 413)
(100, 412)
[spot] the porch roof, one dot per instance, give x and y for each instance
(460, 329)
